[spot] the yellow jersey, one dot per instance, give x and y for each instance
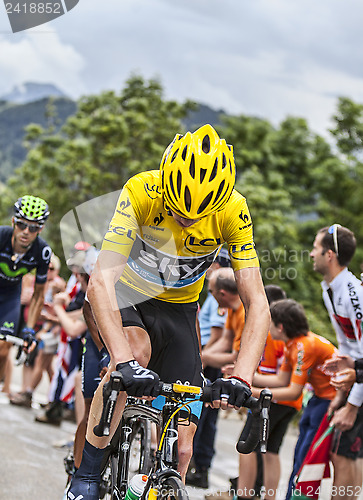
(165, 260)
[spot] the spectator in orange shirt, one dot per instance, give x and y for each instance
(258, 469)
(223, 287)
(305, 354)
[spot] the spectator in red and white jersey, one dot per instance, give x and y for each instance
(332, 252)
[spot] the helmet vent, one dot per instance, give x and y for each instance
(214, 171)
(206, 144)
(192, 167)
(171, 185)
(167, 190)
(205, 203)
(184, 153)
(174, 156)
(224, 161)
(203, 171)
(220, 189)
(187, 198)
(179, 182)
(230, 167)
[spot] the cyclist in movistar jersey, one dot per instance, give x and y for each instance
(167, 229)
(21, 250)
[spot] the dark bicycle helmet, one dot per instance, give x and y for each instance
(197, 173)
(32, 209)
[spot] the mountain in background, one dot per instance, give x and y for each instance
(28, 103)
(13, 120)
(31, 91)
(204, 114)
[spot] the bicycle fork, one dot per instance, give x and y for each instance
(124, 453)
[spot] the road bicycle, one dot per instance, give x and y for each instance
(133, 438)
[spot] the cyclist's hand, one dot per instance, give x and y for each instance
(230, 392)
(138, 381)
(30, 342)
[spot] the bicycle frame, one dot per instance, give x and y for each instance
(166, 459)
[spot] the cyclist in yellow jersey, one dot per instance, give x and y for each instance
(167, 229)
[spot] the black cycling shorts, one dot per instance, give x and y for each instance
(349, 444)
(280, 416)
(175, 355)
(174, 341)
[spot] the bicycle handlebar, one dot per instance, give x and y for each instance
(259, 408)
(18, 341)
(260, 423)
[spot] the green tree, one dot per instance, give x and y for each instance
(110, 138)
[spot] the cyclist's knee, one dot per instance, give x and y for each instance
(185, 446)
(139, 342)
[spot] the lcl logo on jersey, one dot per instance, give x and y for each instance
(121, 231)
(28, 13)
(201, 246)
(152, 191)
(242, 248)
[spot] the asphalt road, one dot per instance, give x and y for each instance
(32, 467)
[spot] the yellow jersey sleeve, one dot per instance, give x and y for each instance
(124, 224)
(238, 233)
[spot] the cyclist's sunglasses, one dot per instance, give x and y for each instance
(334, 231)
(33, 228)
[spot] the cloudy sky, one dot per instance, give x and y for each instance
(268, 58)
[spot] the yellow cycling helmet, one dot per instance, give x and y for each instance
(197, 173)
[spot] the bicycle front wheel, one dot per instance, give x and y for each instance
(172, 488)
(140, 457)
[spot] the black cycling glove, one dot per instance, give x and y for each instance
(28, 335)
(138, 381)
(234, 390)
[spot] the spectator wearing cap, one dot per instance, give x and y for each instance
(211, 319)
(75, 261)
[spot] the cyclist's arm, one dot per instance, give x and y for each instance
(102, 297)
(36, 304)
(251, 291)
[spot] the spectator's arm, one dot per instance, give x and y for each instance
(73, 326)
(281, 379)
(215, 334)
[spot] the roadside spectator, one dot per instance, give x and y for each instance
(223, 287)
(332, 252)
(256, 469)
(304, 357)
(75, 261)
(68, 309)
